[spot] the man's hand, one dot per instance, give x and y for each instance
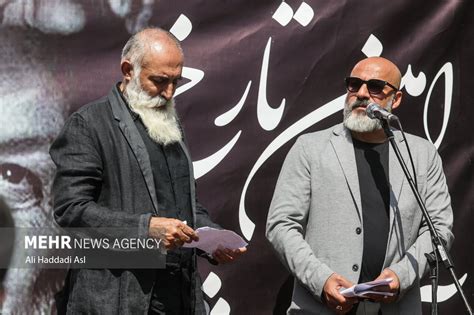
(173, 233)
(393, 287)
(226, 255)
(335, 300)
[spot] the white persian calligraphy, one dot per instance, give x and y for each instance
(228, 116)
(182, 27)
(372, 47)
(413, 85)
(447, 70)
(268, 117)
(246, 225)
(284, 13)
(205, 165)
(445, 292)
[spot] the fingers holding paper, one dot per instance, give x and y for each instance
(224, 245)
(227, 255)
(172, 232)
(393, 287)
(334, 299)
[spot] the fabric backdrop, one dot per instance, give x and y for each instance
(257, 74)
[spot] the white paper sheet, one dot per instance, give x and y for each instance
(362, 289)
(211, 239)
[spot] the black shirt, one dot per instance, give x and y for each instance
(169, 164)
(171, 294)
(372, 168)
(170, 169)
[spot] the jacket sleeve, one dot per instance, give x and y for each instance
(203, 219)
(78, 180)
(413, 264)
(287, 219)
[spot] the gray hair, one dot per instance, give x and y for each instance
(136, 46)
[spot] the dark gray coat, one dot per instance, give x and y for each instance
(104, 179)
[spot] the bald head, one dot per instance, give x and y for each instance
(378, 68)
(372, 80)
(153, 58)
(150, 40)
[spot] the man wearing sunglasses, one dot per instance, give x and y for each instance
(342, 212)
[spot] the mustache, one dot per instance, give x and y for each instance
(359, 103)
(158, 102)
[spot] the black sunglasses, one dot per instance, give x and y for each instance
(374, 86)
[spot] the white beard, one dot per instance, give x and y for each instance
(359, 121)
(157, 114)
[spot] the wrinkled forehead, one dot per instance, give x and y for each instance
(29, 117)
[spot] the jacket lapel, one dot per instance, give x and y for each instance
(344, 149)
(191, 178)
(134, 140)
(396, 177)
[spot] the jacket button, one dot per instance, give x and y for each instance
(358, 230)
(355, 267)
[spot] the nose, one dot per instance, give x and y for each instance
(168, 91)
(363, 92)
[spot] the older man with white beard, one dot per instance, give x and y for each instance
(121, 162)
(342, 212)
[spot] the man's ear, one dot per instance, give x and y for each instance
(397, 99)
(127, 70)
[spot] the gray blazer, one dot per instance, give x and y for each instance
(104, 179)
(316, 209)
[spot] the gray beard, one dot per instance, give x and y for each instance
(360, 122)
(157, 114)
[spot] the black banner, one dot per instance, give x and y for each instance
(257, 74)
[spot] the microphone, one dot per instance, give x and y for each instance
(375, 111)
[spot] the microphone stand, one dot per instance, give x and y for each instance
(433, 263)
(438, 244)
